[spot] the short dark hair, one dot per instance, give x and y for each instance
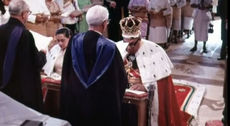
(64, 30)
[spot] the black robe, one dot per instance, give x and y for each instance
(2, 8)
(25, 83)
(223, 13)
(100, 104)
(114, 31)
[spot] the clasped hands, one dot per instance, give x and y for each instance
(41, 18)
(76, 13)
(136, 84)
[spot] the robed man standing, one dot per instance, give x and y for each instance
(93, 76)
(20, 61)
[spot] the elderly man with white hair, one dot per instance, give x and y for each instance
(93, 76)
(20, 61)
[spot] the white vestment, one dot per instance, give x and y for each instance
(37, 7)
(159, 34)
(66, 9)
(4, 17)
(201, 21)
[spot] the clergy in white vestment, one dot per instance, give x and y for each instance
(187, 18)
(70, 13)
(160, 13)
(177, 14)
(202, 17)
(37, 20)
(176, 21)
(147, 65)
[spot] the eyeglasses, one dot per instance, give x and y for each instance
(28, 12)
(107, 21)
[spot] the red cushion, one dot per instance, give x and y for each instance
(214, 123)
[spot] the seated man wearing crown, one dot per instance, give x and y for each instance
(147, 64)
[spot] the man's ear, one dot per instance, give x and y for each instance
(105, 25)
(23, 15)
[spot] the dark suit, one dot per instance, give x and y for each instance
(222, 12)
(114, 31)
(24, 84)
(2, 9)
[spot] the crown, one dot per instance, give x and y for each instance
(130, 26)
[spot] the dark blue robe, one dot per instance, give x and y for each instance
(92, 99)
(24, 84)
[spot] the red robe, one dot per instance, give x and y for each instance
(168, 105)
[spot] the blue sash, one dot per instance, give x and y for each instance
(105, 52)
(10, 55)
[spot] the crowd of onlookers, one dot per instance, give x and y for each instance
(163, 21)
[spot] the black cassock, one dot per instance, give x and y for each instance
(92, 99)
(114, 31)
(24, 84)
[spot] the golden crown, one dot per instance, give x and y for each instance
(130, 26)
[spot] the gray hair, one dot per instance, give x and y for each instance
(96, 15)
(16, 7)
